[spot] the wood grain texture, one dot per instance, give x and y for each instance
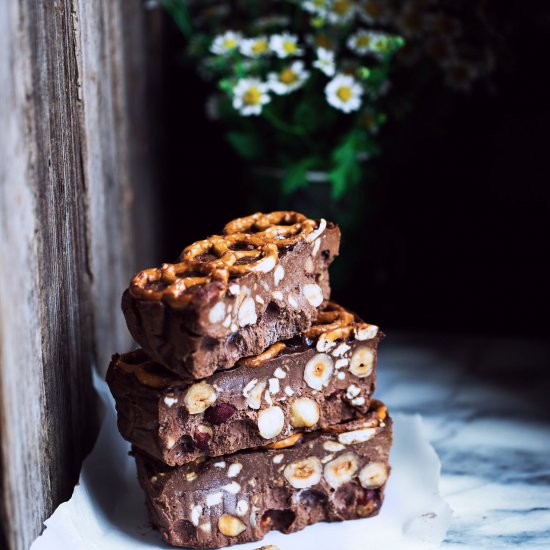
(75, 187)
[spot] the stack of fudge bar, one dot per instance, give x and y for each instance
(249, 405)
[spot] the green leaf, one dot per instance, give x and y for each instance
(247, 145)
(295, 176)
(346, 170)
(178, 10)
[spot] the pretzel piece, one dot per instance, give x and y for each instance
(286, 443)
(269, 353)
(248, 244)
(284, 228)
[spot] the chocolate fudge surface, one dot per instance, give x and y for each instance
(239, 498)
(233, 295)
(325, 377)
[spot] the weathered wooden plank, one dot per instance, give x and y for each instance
(75, 171)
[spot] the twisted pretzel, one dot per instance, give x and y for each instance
(237, 254)
(248, 244)
(285, 228)
(331, 318)
(214, 259)
(335, 323)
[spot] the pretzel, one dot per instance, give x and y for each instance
(285, 228)
(147, 377)
(376, 419)
(285, 443)
(257, 360)
(331, 318)
(238, 254)
(216, 258)
(247, 244)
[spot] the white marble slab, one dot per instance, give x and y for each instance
(486, 407)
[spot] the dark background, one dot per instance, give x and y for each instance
(454, 231)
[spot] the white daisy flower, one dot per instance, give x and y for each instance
(250, 95)
(341, 11)
(317, 7)
(254, 47)
(226, 42)
(344, 92)
(325, 61)
(289, 79)
(361, 42)
(285, 45)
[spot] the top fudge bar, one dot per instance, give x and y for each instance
(233, 295)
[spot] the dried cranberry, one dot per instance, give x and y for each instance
(201, 440)
(219, 413)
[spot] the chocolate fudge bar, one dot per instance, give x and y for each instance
(323, 378)
(233, 295)
(239, 498)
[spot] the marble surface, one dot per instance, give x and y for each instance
(486, 407)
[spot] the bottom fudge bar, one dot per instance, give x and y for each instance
(305, 384)
(333, 475)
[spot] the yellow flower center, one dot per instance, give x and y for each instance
(259, 47)
(288, 76)
(344, 93)
(229, 43)
(252, 96)
(341, 7)
(363, 41)
(289, 46)
(319, 3)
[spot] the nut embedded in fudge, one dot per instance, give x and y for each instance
(323, 378)
(328, 476)
(233, 295)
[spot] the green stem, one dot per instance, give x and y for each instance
(281, 124)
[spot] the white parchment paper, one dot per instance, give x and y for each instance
(107, 509)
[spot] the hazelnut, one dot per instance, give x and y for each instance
(254, 398)
(230, 526)
(247, 313)
(366, 332)
(357, 436)
(313, 294)
(333, 446)
(242, 507)
(304, 413)
(199, 397)
(278, 274)
(217, 313)
(314, 234)
(318, 370)
(196, 512)
(271, 422)
(304, 473)
(341, 470)
(234, 470)
(362, 362)
(373, 475)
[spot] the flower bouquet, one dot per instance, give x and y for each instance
(298, 84)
